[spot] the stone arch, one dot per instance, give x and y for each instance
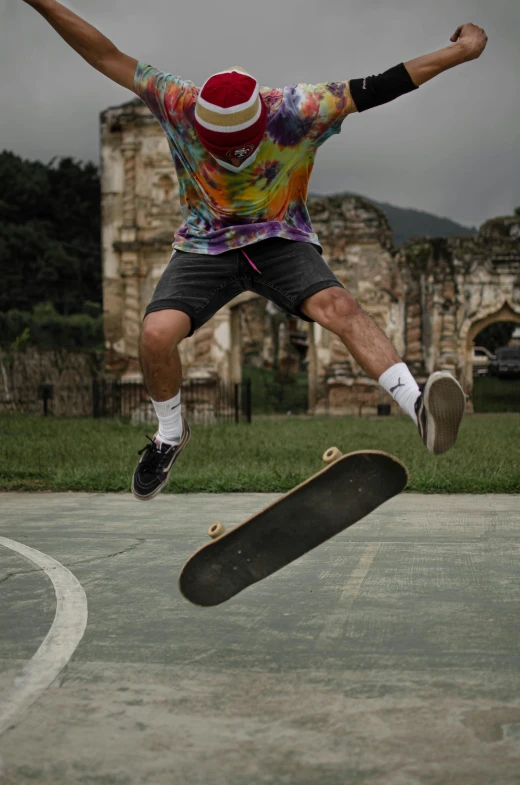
(262, 334)
(506, 313)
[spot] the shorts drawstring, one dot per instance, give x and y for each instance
(250, 262)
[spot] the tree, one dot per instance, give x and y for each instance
(50, 226)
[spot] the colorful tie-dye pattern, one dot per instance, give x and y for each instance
(224, 210)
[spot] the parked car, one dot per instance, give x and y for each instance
(481, 359)
(507, 362)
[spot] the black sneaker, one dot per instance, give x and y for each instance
(439, 410)
(152, 471)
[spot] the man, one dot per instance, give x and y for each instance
(243, 156)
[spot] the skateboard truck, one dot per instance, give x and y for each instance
(216, 529)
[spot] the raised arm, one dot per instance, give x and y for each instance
(88, 42)
(469, 41)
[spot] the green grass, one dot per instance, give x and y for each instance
(39, 453)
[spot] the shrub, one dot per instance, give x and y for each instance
(46, 329)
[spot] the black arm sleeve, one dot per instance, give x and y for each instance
(376, 90)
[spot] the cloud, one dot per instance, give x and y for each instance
(450, 147)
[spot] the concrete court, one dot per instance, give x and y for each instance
(389, 656)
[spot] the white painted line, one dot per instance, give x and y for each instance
(60, 642)
(333, 627)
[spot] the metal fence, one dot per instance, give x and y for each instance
(203, 401)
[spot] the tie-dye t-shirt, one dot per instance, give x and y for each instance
(223, 210)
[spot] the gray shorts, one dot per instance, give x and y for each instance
(200, 284)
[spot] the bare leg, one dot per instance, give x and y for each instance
(337, 311)
(437, 412)
(161, 334)
(159, 354)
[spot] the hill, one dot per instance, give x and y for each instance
(407, 223)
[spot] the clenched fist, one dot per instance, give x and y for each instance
(472, 39)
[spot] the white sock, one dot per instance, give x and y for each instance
(400, 384)
(170, 419)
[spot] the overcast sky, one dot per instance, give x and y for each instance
(451, 147)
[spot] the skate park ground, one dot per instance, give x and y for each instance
(388, 655)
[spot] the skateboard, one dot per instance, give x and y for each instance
(342, 493)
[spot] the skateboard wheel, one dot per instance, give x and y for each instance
(216, 530)
(331, 455)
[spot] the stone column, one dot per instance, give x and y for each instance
(132, 306)
(130, 256)
(448, 356)
(448, 344)
(312, 370)
(432, 350)
(129, 149)
(236, 346)
(414, 334)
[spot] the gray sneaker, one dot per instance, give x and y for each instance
(439, 411)
(156, 462)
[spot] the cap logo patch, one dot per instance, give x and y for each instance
(241, 152)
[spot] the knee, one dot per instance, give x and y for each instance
(333, 309)
(163, 331)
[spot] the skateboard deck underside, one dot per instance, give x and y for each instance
(312, 513)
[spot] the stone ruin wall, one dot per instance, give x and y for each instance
(357, 245)
(454, 288)
(23, 371)
(431, 297)
(140, 209)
